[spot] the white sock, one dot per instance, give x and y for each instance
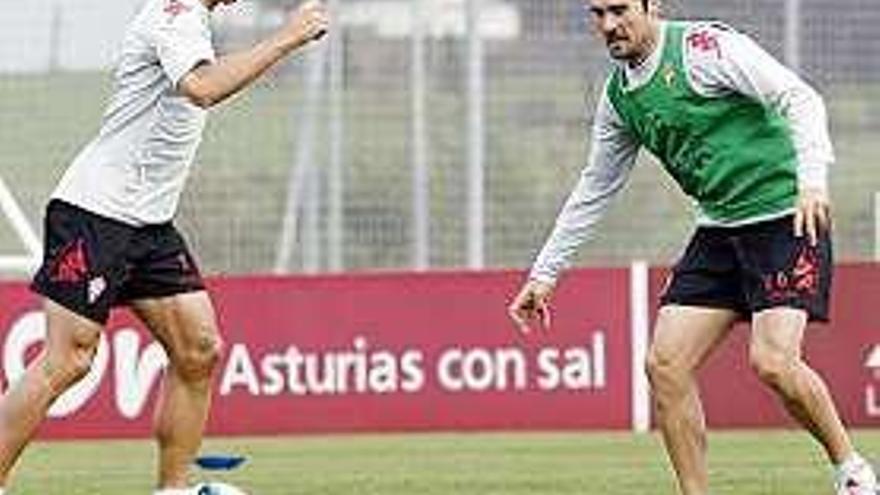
(854, 460)
(167, 491)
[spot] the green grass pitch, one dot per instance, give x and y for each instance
(742, 463)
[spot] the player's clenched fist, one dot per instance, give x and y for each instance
(308, 22)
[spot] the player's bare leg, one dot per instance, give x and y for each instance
(71, 344)
(683, 338)
(186, 326)
(775, 355)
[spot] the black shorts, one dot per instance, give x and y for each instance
(92, 263)
(752, 268)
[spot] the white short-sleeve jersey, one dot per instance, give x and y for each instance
(134, 170)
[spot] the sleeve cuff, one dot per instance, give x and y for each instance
(542, 277)
(177, 72)
(813, 177)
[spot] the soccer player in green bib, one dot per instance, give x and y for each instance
(748, 141)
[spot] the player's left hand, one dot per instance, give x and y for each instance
(813, 214)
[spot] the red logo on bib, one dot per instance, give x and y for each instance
(704, 41)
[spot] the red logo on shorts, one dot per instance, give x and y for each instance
(71, 264)
(805, 276)
(802, 280)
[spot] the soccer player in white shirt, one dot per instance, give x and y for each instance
(109, 237)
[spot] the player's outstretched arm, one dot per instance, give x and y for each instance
(211, 83)
(612, 155)
(531, 304)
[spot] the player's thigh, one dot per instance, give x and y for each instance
(685, 335)
(182, 322)
(168, 294)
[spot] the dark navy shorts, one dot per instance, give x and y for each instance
(92, 263)
(752, 268)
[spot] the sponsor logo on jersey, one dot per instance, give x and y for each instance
(668, 75)
(704, 41)
(174, 8)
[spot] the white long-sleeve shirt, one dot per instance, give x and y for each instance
(731, 63)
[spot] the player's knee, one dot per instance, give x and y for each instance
(663, 369)
(772, 366)
(69, 363)
(197, 361)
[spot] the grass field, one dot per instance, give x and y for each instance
(742, 463)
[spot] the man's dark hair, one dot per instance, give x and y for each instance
(645, 4)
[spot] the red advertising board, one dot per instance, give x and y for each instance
(846, 352)
(364, 353)
(405, 352)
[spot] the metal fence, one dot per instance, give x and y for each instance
(423, 134)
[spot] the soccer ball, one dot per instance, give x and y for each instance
(217, 488)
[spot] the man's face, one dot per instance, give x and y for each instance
(624, 25)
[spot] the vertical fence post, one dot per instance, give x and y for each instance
(303, 176)
(335, 174)
(421, 179)
(476, 139)
(793, 34)
(640, 329)
(877, 226)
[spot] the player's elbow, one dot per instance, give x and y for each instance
(203, 101)
(198, 90)
(198, 95)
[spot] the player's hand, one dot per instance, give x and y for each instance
(308, 22)
(813, 215)
(531, 304)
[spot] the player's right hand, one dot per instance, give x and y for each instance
(308, 22)
(531, 304)
(813, 214)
